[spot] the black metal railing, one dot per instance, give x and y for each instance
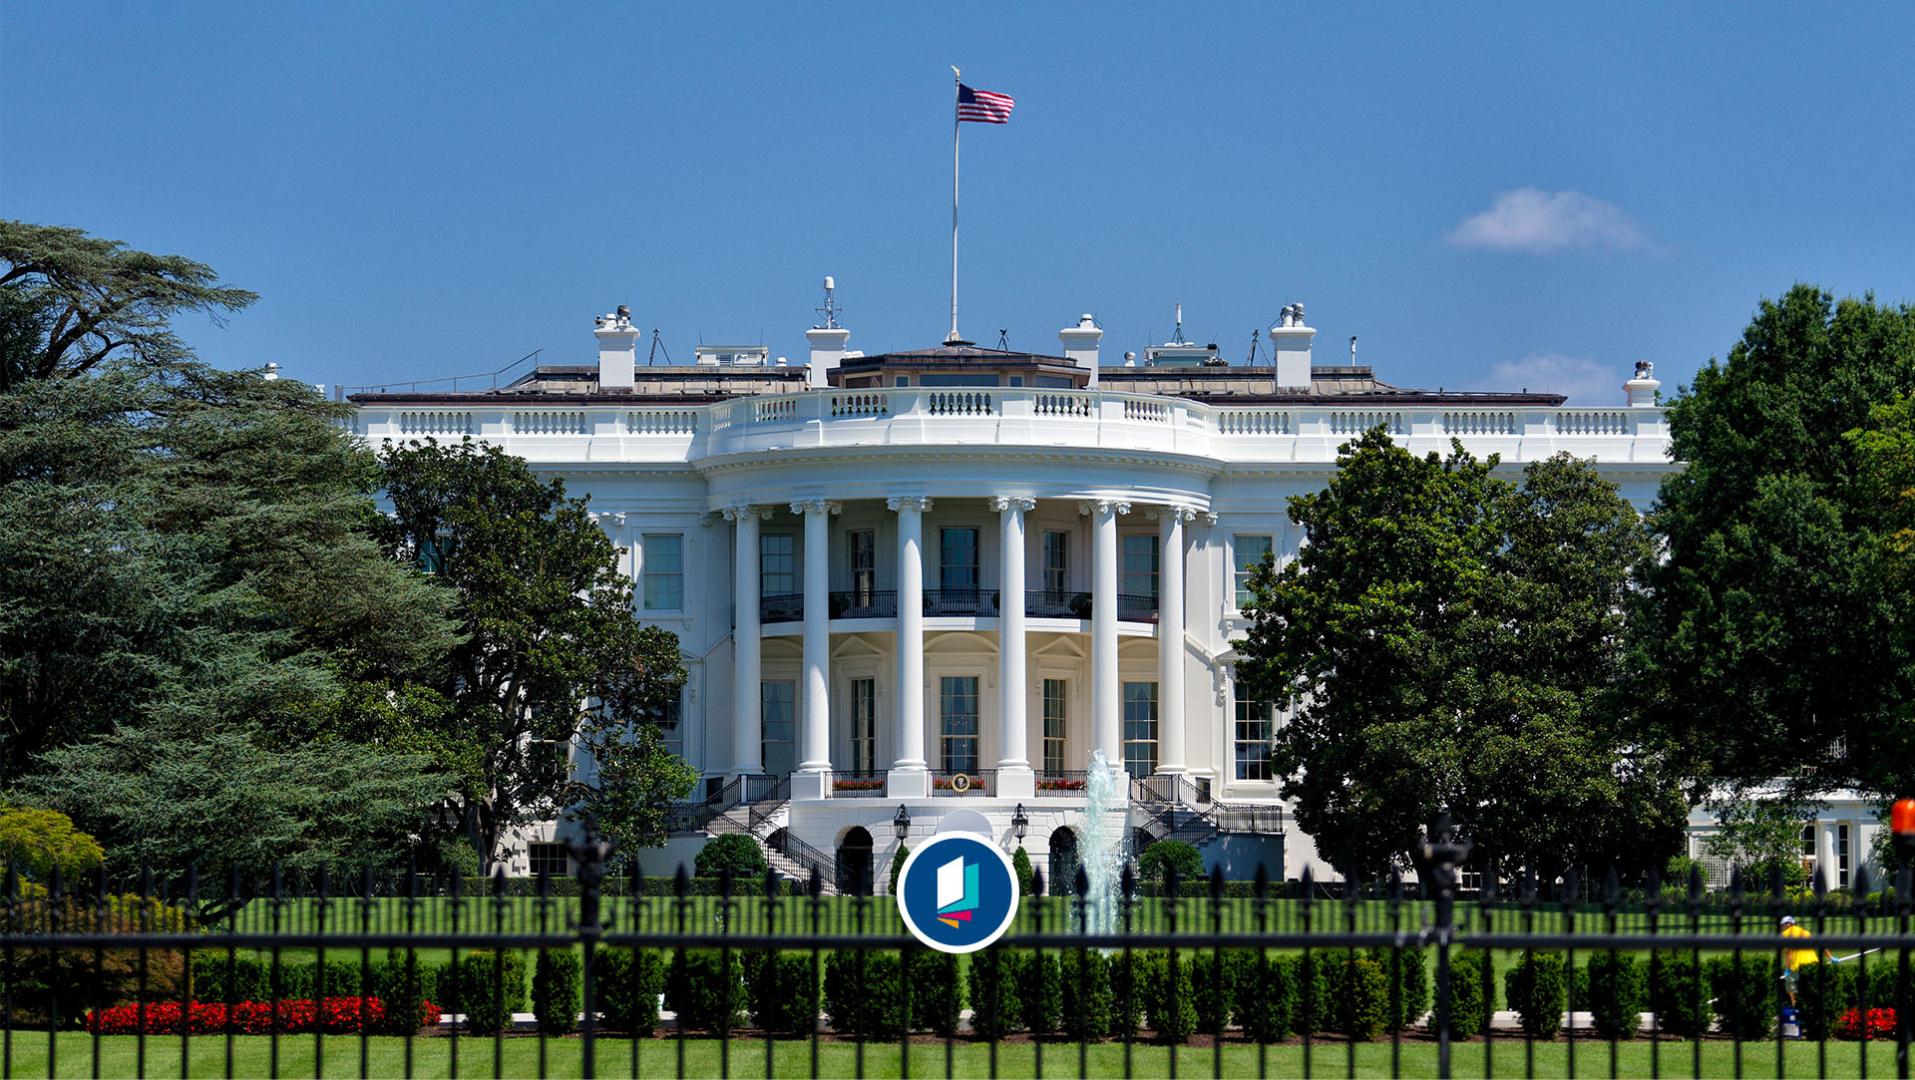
(769, 802)
(781, 607)
(1056, 604)
(858, 783)
(375, 974)
(1132, 607)
(1062, 781)
(966, 601)
(865, 604)
(962, 783)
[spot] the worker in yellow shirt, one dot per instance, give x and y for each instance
(1794, 960)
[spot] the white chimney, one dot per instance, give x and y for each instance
(827, 348)
(617, 349)
(1290, 344)
(1642, 389)
(1080, 344)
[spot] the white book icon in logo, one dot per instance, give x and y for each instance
(950, 883)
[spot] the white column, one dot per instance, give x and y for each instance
(1015, 780)
(1106, 692)
(747, 745)
(813, 778)
(1170, 640)
(910, 776)
(1827, 847)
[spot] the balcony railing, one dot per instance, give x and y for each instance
(1062, 782)
(865, 604)
(966, 601)
(857, 784)
(781, 607)
(1056, 604)
(958, 785)
(1134, 608)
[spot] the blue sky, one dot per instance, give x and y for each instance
(1498, 196)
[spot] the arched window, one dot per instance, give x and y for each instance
(1061, 879)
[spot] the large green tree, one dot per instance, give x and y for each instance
(1772, 626)
(552, 657)
(69, 302)
(1448, 641)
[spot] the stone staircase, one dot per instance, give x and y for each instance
(765, 821)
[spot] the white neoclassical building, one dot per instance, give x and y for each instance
(930, 584)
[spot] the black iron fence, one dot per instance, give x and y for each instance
(627, 975)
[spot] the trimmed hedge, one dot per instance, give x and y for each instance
(1537, 987)
(1616, 991)
(782, 991)
(1265, 991)
(864, 993)
(994, 983)
(937, 995)
(1040, 992)
(487, 986)
(1170, 1008)
(706, 988)
(557, 991)
(1411, 972)
(1472, 994)
(1087, 998)
(1213, 986)
(1824, 992)
(627, 983)
(1677, 995)
(1745, 994)
(735, 852)
(1359, 995)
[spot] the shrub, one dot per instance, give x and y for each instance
(1617, 992)
(1409, 967)
(1315, 1003)
(1359, 993)
(1472, 993)
(487, 986)
(1537, 988)
(994, 979)
(936, 995)
(1021, 866)
(1745, 994)
(1126, 992)
(864, 993)
(218, 977)
(1085, 987)
(1040, 992)
(782, 991)
(897, 867)
(1166, 855)
(627, 983)
(405, 984)
(1822, 995)
(1213, 986)
(731, 851)
(556, 991)
(1874, 1024)
(1265, 992)
(1676, 995)
(706, 988)
(337, 1016)
(1169, 1006)
(67, 982)
(37, 842)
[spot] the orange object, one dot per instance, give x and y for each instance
(1901, 819)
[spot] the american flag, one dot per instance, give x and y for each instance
(983, 106)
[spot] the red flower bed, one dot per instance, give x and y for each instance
(337, 1016)
(1878, 1024)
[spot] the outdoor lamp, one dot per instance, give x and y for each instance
(1020, 822)
(901, 825)
(1901, 822)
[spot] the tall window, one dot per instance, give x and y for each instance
(864, 725)
(1057, 564)
(1056, 692)
(957, 560)
(1840, 852)
(1250, 551)
(957, 706)
(777, 702)
(1140, 728)
(671, 726)
(1253, 740)
(864, 567)
(551, 860)
(664, 586)
(777, 564)
(1139, 567)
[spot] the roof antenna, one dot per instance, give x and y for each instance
(1252, 362)
(1178, 337)
(658, 346)
(830, 309)
(1003, 340)
(1352, 350)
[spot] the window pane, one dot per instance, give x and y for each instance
(1140, 566)
(864, 724)
(957, 708)
(671, 726)
(1057, 563)
(664, 572)
(776, 701)
(1253, 740)
(548, 859)
(1250, 551)
(1055, 721)
(1140, 728)
(777, 564)
(864, 567)
(957, 559)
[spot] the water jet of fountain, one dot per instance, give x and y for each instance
(1103, 853)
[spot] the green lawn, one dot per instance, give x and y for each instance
(659, 1057)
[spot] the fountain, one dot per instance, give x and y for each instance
(1102, 852)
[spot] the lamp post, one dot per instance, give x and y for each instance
(1901, 824)
(1020, 823)
(901, 824)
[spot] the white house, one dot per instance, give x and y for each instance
(931, 583)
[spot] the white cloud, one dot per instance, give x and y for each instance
(1585, 381)
(1538, 222)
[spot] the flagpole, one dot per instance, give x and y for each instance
(957, 79)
